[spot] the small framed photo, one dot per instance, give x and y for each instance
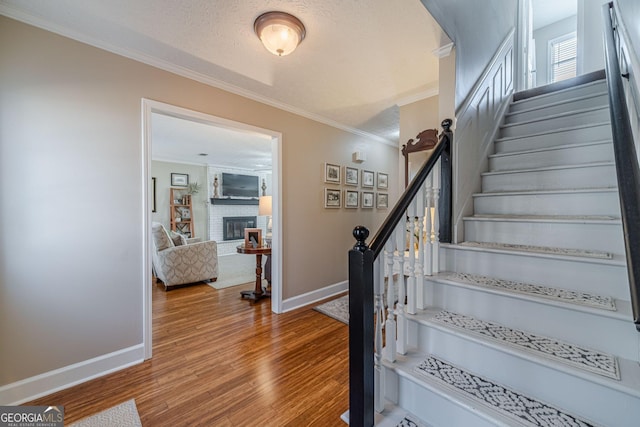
(331, 173)
(367, 199)
(252, 237)
(367, 178)
(382, 200)
(332, 198)
(179, 180)
(351, 199)
(383, 181)
(350, 176)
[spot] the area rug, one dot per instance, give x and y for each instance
(122, 415)
(337, 309)
(234, 270)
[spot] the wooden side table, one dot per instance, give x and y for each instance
(258, 292)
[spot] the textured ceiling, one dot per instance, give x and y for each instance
(358, 60)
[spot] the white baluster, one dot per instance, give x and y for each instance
(378, 376)
(436, 221)
(390, 323)
(428, 257)
(417, 302)
(401, 235)
(411, 268)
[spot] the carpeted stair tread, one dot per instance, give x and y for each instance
(569, 354)
(602, 302)
(598, 219)
(541, 249)
(521, 409)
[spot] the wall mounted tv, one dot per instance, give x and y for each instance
(234, 185)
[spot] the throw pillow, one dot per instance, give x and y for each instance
(178, 239)
(160, 237)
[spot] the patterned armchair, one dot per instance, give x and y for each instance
(176, 262)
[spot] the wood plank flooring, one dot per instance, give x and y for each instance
(220, 361)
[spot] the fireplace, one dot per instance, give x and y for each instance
(233, 226)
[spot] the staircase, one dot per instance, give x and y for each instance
(529, 321)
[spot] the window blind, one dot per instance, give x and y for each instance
(563, 57)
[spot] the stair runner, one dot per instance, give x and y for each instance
(410, 421)
(540, 249)
(520, 408)
(553, 349)
(564, 295)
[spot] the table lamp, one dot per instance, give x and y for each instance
(264, 209)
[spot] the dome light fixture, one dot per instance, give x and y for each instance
(279, 32)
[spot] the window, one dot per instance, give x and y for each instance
(562, 57)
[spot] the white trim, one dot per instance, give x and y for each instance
(315, 296)
(150, 106)
(182, 71)
(62, 378)
(147, 203)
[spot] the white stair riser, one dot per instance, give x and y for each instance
(606, 237)
(593, 153)
(597, 132)
(559, 96)
(558, 122)
(576, 203)
(568, 392)
(606, 334)
(429, 405)
(551, 179)
(600, 100)
(597, 278)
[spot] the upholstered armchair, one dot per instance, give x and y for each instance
(177, 261)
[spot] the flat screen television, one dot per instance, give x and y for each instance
(234, 185)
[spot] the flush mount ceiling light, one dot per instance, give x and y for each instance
(279, 32)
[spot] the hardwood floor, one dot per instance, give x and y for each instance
(219, 361)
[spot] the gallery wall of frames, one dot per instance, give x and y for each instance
(352, 188)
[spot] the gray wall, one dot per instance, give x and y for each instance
(542, 37)
(629, 10)
(477, 29)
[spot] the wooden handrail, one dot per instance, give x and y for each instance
(626, 160)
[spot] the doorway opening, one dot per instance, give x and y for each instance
(154, 112)
(557, 40)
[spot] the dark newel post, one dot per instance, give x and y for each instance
(361, 331)
(446, 174)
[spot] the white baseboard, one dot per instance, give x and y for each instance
(314, 296)
(59, 379)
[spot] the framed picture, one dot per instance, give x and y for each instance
(332, 198)
(382, 200)
(153, 206)
(331, 173)
(351, 199)
(367, 199)
(383, 181)
(367, 178)
(179, 180)
(252, 237)
(350, 176)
